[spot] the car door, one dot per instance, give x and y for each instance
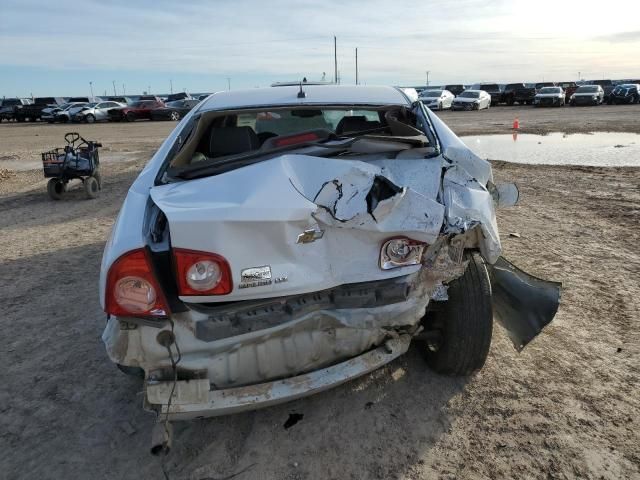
(100, 111)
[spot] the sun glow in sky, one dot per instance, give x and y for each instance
(57, 48)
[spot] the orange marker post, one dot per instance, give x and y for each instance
(516, 124)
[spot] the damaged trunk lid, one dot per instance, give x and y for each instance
(307, 223)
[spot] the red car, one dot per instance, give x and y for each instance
(136, 111)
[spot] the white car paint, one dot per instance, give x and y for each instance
(253, 216)
(437, 99)
(478, 101)
(94, 111)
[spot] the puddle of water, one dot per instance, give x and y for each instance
(600, 149)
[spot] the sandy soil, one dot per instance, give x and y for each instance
(566, 407)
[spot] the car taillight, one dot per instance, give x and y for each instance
(295, 139)
(401, 252)
(132, 289)
(201, 273)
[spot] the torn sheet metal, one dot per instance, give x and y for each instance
(365, 197)
(522, 304)
(468, 204)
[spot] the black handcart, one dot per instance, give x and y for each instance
(78, 159)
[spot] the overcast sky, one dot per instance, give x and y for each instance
(58, 47)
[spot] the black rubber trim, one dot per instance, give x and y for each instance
(164, 273)
(237, 318)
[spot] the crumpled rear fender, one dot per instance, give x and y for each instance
(522, 304)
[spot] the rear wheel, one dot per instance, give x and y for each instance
(130, 117)
(91, 187)
(175, 116)
(464, 326)
(90, 118)
(55, 188)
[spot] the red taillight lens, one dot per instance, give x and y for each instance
(132, 289)
(202, 273)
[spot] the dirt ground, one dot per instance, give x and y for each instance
(602, 118)
(566, 407)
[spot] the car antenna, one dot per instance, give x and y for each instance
(301, 93)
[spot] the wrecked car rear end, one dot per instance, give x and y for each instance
(283, 241)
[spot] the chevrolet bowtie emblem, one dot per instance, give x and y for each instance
(310, 235)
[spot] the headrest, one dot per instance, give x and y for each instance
(356, 123)
(232, 140)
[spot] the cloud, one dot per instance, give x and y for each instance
(466, 41)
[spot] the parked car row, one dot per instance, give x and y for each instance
(96, 109)
(611, 92)
(546, 94)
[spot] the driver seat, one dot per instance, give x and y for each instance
(232, 141)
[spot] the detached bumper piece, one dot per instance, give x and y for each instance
(522, 304)
(193, 398)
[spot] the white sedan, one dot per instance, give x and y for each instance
(94, 112)
(472, 100)
(285, 240)
(437, 99)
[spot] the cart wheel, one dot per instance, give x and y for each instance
(55, 188)
(98, 177)
(91, 187)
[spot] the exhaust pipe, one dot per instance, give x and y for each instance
(161, 438)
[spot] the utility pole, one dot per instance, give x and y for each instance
(114, 87)
(356, 65)
(335, 59)
(228, 83)
(124, 92)
(428, 78)
(91, 87)
(171, 85)
(579, 76)
(149, 89)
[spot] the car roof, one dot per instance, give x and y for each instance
(314, 95)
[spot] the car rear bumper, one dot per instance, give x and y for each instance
(192, 399)
(627, 99)
(251, 354)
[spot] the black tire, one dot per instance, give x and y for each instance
(55, 188)
(175, 116)
(91, 187)
(130, 117)
(98, 177)
(465, 323)
(131, 371)
(90, 118)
